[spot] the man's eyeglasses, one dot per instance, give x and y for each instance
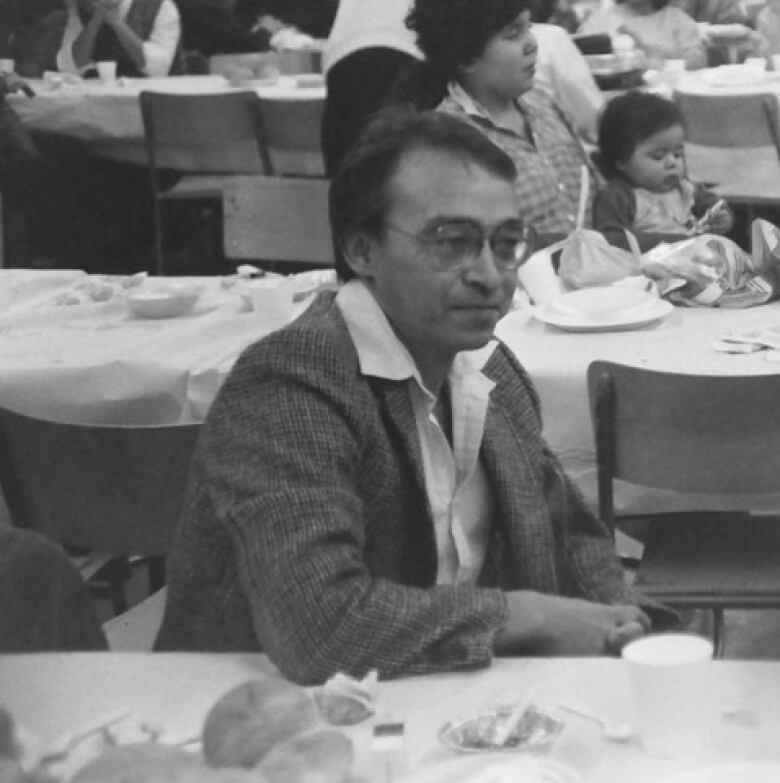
(456, 243)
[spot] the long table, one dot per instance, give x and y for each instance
(107, 117)
(95, 363)
(56, 694)
(682, 342)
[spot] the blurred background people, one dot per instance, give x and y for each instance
(563, 73)
(367, 51)
(662, 31)
(142, 36)
(481, 54)
(30, 34)
(713, 11)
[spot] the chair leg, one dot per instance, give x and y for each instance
(718, 633)
(157, 576)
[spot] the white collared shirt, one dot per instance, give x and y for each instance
(159, 48)
(459, 493)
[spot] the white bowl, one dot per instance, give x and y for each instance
(168, 301)
(602, 301)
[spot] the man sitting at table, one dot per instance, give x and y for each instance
(141, 36)
(371, 487)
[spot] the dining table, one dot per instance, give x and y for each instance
(55, 696)
(106, 117)
(69, 356)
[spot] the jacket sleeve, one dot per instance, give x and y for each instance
(614, 211)
(284, 462)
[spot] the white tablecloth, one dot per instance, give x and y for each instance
(95, 362)
(557, 362)
(56, 694)
(108, 117)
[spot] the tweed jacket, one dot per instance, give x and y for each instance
(307, 531)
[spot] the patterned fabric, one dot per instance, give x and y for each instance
(458, 491)
(548, 158)
(307, 532)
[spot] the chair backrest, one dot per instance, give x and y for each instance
(687, 433)
(116, 490)
(291, 129)
(204, 133)
(277, 219)
(730, 120)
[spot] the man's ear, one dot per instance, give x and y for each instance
(357, 253)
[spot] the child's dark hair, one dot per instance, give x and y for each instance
(626, 121)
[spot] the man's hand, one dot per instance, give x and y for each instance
(553, 625)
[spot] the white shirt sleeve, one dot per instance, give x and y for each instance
(563, 73)
(73, 29)
(160, 47)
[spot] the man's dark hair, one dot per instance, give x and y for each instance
(359, 196)
(453, 33)
(626, 121)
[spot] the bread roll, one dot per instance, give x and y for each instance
(317, 757)
(249, 720)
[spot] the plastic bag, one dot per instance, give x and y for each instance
(587, 258)
(715, 271)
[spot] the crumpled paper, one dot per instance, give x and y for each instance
(345, 701)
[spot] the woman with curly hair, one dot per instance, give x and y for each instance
(480, 63)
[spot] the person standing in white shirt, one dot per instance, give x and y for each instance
(142, 36)
(563, 73)
(369, 47)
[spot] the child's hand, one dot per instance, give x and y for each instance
(718, 220)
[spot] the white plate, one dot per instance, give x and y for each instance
(631, 319)
(737, 76)
(496, 769)
(747, 772)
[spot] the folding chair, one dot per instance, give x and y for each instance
(112, 490)
(208, 138)
(733, 142)
(278, 219)
(291, 130)
(702, 434)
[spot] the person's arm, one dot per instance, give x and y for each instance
(721, 220)
(77, 43)
(689, 41)
(614, 210)
(160, 48)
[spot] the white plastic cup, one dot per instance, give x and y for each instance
(670, 677)
(7, 65)
(538, 278)
(776, 62)
(755, 63)
(106, 71)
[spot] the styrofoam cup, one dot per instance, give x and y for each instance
(538, 278)
(106, 71)
(757, 63)
(776, 62)
(670, 676)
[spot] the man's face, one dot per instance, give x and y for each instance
(508, 62)
(435, 310)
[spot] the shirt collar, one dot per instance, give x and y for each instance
(380, 353)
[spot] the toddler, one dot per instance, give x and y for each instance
(642, 155)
